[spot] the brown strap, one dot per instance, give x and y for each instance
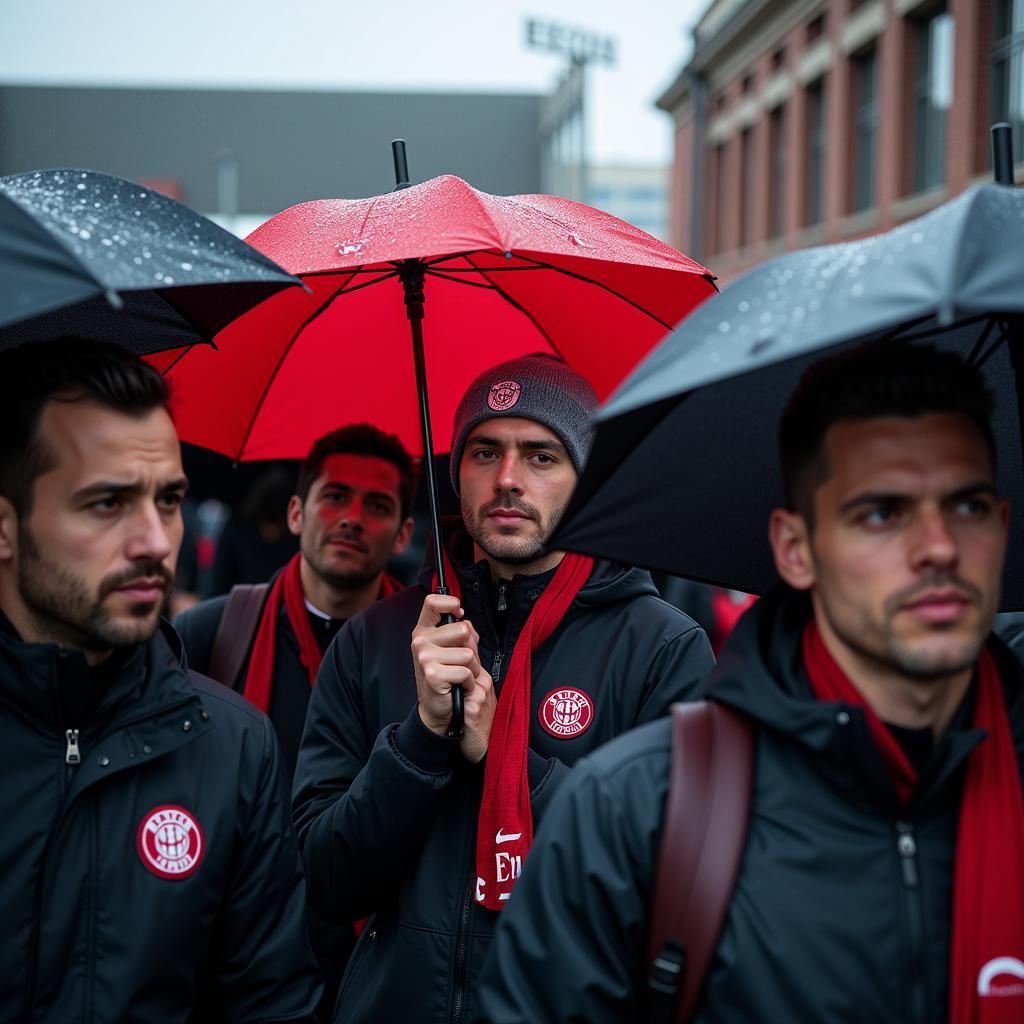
(238, 624)
(702, 842)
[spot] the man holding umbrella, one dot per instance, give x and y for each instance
(882, 877)
(150, 870)
(425, 831)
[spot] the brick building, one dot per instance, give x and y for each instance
(807, 121)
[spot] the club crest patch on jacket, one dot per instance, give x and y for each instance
(566, 712)
(170, 842)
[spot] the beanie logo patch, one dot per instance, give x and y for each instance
(504, 395)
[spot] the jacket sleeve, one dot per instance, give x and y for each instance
(363, 805)
(570, 945)
(263, 968)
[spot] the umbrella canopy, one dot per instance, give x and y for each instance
(684, 469)
(503, 276)
(88, 254)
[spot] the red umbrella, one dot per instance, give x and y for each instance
(503, 276)
(489, 277)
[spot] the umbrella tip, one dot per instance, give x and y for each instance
(114, 299)
(401, 164)
(508, 254)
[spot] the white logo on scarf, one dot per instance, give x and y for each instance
(999, 966)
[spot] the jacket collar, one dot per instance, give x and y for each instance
(608, 583)
(760, 673)
(49, 684)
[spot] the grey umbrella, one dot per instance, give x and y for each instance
(684, 470)
(93, 255)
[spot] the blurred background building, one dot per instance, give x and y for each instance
(241, 156)
(799, 122)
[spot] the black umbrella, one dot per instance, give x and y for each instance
(684, 470)
(88, 254)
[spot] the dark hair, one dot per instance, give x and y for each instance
(360, 439)
(867, 382)
(64, 370)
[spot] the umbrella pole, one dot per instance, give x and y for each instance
(410, 272)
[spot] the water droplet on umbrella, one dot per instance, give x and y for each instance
(186, 266)
(724, 326)
(80, 187)
(84, 234)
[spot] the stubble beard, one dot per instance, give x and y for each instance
(508, 548)
(916, 661)
(345, 580)
(64, 610)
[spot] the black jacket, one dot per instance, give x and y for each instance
(94, 930)
(387, 810)
(289, 695)
(828, 921)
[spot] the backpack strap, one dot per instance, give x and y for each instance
(703, 838)
(238, 624)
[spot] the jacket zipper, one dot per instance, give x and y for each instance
(906, 848)
(460, 946)
(73, 755)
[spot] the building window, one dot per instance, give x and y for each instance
(815, 29)
(865, 129)
(779, 59)
(748, 186)
(1008, 69)
(815, 149)
(777, 192)
(933, 94)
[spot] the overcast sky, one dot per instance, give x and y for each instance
(469, 45)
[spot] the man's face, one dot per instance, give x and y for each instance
(908, 544)
(515, 480)
(351, 521)
(94, 560)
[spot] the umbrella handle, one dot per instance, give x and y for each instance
(456, 723)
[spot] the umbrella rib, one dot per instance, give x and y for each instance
(602, 286)
(270, 379)
(1004, 333)
(980, 343)
(515, 304)
(460, 280)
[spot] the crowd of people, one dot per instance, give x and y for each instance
(263, 812)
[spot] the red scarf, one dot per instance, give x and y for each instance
(259, 679)
(987, 958)
(505, 825)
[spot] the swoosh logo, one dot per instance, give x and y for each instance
(1000, 965)
(500, 837)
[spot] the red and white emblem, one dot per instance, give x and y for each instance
(504, 395)
(566, 713)
(170, 842)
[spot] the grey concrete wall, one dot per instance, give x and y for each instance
(290, 146)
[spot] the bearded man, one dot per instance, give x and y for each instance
(149, 865)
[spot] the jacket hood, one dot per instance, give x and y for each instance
(608, 581)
